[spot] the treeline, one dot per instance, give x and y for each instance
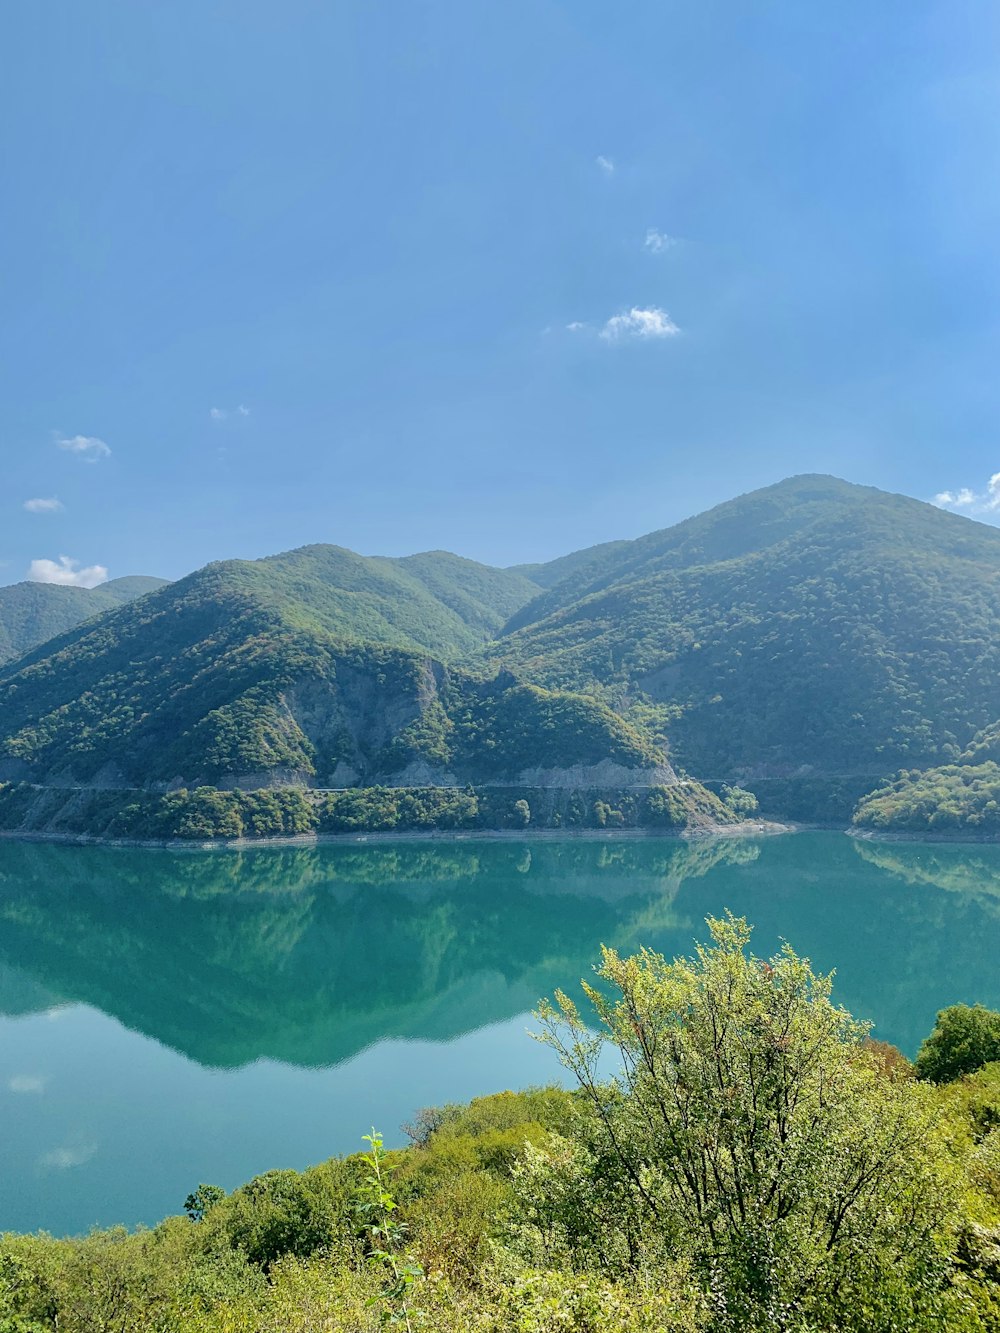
(958, 798)
(210, 813)
(759, 1164)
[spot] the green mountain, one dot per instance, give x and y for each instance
(318, 666)
(32, 613)
(812, 629)
(813, 626)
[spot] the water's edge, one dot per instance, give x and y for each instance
(748, 828)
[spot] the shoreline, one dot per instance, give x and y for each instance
(931, 836)
(755, 828)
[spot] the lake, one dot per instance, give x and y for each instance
(171, 1018)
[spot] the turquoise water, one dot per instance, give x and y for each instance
(167, 1019)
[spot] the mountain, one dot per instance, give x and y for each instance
(812, 626)
(810, 629)
(31, 613)
(316, 666)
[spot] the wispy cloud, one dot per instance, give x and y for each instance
(223, 413)
(62, 1159)
(86, 447)
(577, 325)
(67, 572)
(973, 502)
(639, 323)
(657, 242)
(26, 1083)
(43, 506)
(606, 164)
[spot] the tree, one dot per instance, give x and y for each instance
(740, 801)
(965, 1038)
(750, 1131)
(197, 1204)
(521, 814)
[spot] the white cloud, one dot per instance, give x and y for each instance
(657, 242)
(243, 411)
(221, 413)
(64, 1158)
(576, 326)
(217, 414)
(639, 323)
(67, 572)
(976, 502)
(606, 164)
(43, 506)
(26, 1083)
(87, 447)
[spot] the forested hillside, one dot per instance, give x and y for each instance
(811, 625)
(811, 629)
(272, 671)
(960, 798)
(32, 613)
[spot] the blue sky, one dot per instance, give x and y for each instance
(507, 279)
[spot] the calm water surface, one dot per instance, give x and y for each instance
(170, 1018)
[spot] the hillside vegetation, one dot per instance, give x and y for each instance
(958, 798)
(757, 1164)
(813, 630)
(235, 673)
(810, 625)
(32, 613)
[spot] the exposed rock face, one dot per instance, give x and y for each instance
(419, 773)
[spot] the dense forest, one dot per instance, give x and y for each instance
(209, 814)
(33, 613)
(759, 1163)
(957, 799)
(813, 638)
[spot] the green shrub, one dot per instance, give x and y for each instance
(965, 1038)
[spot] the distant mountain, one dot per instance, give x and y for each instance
(32, 613)
(813, 625)
(810, 628)
(316, 666)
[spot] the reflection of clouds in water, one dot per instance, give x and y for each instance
(59, 1011)
(63, 1158)
(26, 1083)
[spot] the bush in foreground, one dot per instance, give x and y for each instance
(756, 1164)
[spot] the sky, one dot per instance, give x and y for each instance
(504, 279)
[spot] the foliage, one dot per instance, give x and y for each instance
(812, 623)
(33, 613)
(810, 628)
(743, 803)
(210, 813)
(958, 798)
(965, 1038)
(751, 1131)
(386, 1235)
(755, 1165)
(811, 800)
(199, 1201)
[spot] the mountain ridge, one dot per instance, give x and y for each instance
(809, 627)
(32, 613)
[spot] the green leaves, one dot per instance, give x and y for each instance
(750, 1128)
(376, 1207)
